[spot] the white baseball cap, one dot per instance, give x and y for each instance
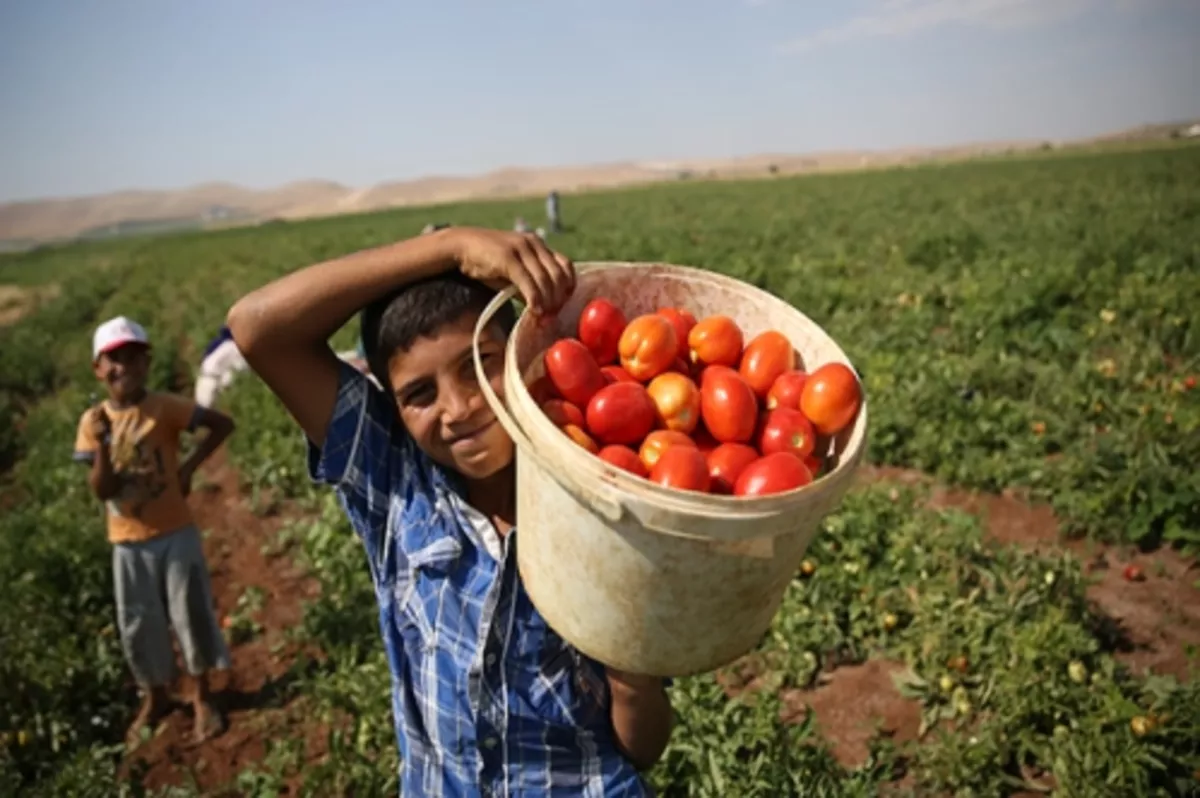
(117, 332)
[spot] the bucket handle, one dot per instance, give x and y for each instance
(610, 509)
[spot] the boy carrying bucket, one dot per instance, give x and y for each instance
(131, 444)
(487, 698)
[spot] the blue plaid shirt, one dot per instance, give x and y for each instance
(487, 698)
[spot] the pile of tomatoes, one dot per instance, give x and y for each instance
(692, 405)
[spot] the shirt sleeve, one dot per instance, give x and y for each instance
(85, 442)
(364, 446)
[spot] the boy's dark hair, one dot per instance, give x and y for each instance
(392, 323)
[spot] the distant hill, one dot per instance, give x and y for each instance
(24, 224)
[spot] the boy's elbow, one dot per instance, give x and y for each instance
(243, 323)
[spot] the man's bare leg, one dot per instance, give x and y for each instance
(155, 706)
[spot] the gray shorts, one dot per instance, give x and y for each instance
(162, 584)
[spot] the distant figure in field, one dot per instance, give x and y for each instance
(521, 226)
(131, 443)
(434, 226)
(552, 216)
(220, 364)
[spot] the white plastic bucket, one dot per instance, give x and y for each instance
(639, 577)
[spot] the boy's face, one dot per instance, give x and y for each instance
(441, 403)
(123, 371)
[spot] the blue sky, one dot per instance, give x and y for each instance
(98, 96)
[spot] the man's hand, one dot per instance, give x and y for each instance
(497, 258)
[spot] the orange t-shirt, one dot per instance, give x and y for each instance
(144, 448)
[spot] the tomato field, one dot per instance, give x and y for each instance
(1028, 336)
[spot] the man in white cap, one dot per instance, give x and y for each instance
(131, 443)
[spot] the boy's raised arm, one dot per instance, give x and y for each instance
(283, 328)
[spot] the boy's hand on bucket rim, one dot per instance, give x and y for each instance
(499, 258)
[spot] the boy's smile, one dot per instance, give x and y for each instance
(440, 401)
(123, 370)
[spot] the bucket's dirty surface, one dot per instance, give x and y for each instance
(639, 577)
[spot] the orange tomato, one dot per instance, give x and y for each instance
(767, 356)
(726, 463)
(678, 401)
(831, 398)
(624, 457)
(582, 438)
(715, 341)
(660, 441)
(647, 347)
(727, 405)
(682, 468)
(683, 321)
(787, 389)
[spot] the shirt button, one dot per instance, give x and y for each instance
(489, 742)
(490, 660)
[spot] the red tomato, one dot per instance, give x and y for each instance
(582, 438)
(704, 440)
(787, 430)
(616, 374)
(624, 457)
(726, 463)
(727, 405)
(600, 327)
(573, 371)
(773, 473)
(682, 468)
(620, 413)
(768, 355)
(831, 398)
(658, 442)
(814, 464)
(787, 389)
(562, 413)
(647, 347)
(715, 341)
(680, 367)
(678, 401)
(542, 390)
(683, 322)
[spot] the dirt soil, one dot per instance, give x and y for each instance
(1153, 620)
(242, 551)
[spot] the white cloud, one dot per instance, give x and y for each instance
(895, 18)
